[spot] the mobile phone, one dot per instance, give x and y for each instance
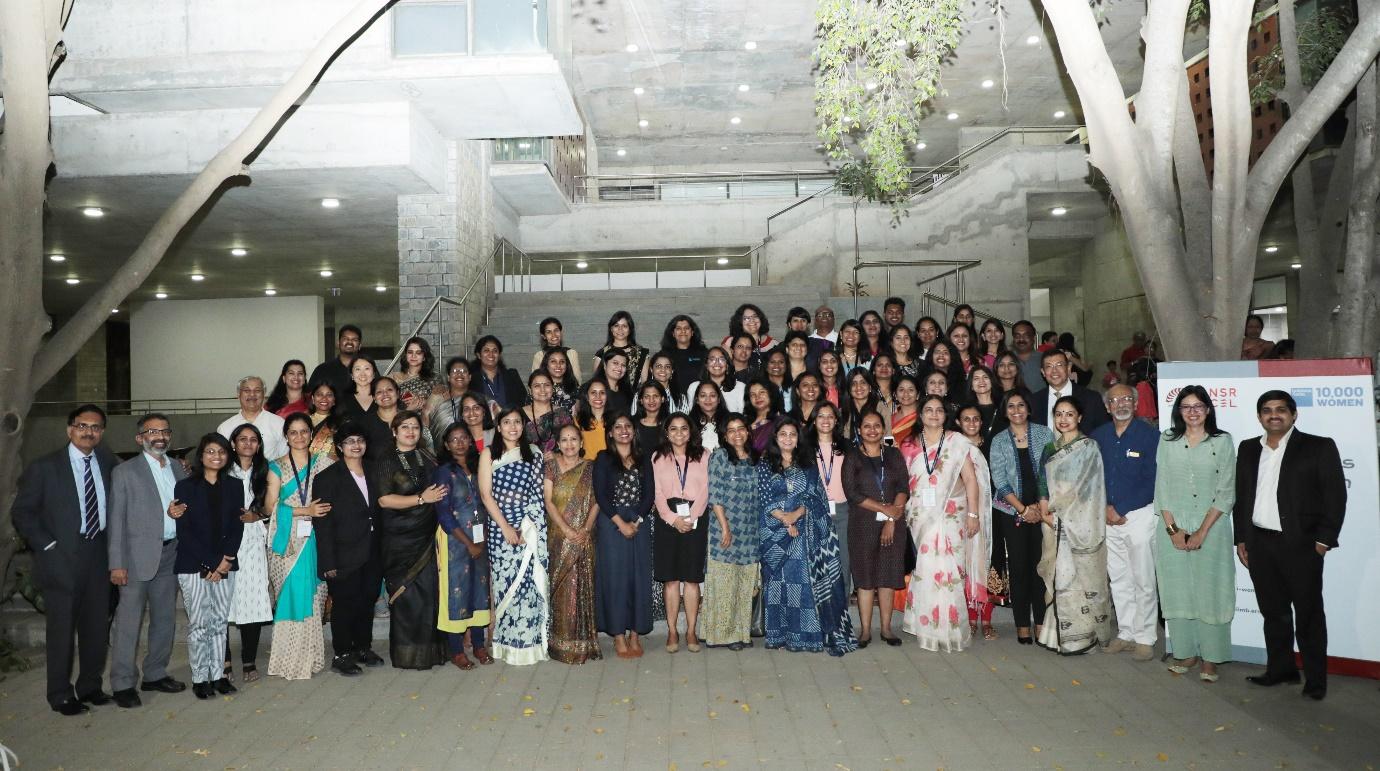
(889, 441)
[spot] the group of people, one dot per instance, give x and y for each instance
(758, 487)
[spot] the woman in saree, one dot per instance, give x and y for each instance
(463, 560)
(571, 515)
(950, 491)
(906, 414)
(544, 418)
(510, 485)
(408, 496)
(970, 424)
(299, 595)
(443, 408)
(1073, 558)
(322, 411)
(806, 608)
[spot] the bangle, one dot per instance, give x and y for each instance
(1172, 529)
(974, 516)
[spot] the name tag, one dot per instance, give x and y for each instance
(683, 510)
(929, 497)
(303, 528)
(1132, 454)
(477, 533)
(836, 508)
(882, 517)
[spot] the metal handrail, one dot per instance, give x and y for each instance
(498, 255)
(171, 406)
(959, 267)
(929, 296)
(655, 259)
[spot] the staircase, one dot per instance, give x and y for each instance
(513, 317)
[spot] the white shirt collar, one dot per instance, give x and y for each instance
(1283, 441)
(76, 455)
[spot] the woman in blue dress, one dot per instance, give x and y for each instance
(623, 488)
(510, 485)
(463, 559)
(806, 608)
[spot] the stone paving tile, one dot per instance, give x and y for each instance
(997, 705)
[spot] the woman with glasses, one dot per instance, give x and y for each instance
(443, 411)
(716, 371)
(1195, 489)
(662, 370)
(750, 319)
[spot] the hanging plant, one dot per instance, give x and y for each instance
(876, 67)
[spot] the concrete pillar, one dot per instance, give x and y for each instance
(1113, 299)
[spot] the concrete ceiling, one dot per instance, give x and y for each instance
(691, 59)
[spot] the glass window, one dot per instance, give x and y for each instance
(423, 29)
(509, 26)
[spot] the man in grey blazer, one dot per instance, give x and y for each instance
(143, 550)
(60, 512)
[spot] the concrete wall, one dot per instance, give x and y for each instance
(1113, 300)
(651, 225)
(201, 348)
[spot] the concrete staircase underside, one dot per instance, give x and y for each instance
(585, 315)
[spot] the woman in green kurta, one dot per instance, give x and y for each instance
(1195, 488)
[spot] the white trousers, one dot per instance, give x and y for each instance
(1131, 568)
(208, 606)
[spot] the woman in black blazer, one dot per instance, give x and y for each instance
(206, 506)
(498, 382)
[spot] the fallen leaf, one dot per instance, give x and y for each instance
(202, 753)
(1219, 729)
(746, 708)
(1030, 686)
(1119, 731)
(713, 715)
(566, 707)
(528, 712)
(598, 730)
(1035, 749)
(527, 697)
(905, 701)
(1075, 682)
(600, 756)
(857, 687)
(412, 696)
(1161, 757)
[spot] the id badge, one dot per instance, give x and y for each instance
(683, 510)
(882, 517)
(477, 533)
(929, 497)
(835, 508)
(303, 528)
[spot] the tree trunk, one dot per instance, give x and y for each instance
(1357, 303)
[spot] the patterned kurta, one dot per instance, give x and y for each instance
(543, 431)
(732, 575)
(519, 572)
(464, 579)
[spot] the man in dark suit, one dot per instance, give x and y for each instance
(348, 550)
(60, 512)
(1054, 366)
(1290, 501)
(143, 554)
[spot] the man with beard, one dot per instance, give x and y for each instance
(337, 371)
(143, 552)
(1128, 450)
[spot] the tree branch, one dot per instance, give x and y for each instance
(1162, 80)
(1195, 199)
(1231, 123)
(228, 163)
(1355, 316)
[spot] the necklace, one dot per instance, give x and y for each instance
(412, 475)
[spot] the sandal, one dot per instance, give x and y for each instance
(989, 632)
(462, 661)
(483, 655)
(250, 673)
(1181, 666)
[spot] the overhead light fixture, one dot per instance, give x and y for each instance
(953, 116)
(621, 152)
(1033, 40)
(380, 288)
(93, 211)
(639, 91)
(1271, 249)
(238, 252)
(327, 274)
(270, 292)
(161, 295)
(1296, 265)
(920, 145)
(631, 48)
(114, 310)
(197, 277)
(642, 123)
(750, 45)
(871, 85)
(743, 87)
(57, 257)
(735, 120)
(723, 260)
(73, 281)
(1058, 211)
(1059, 114)
(723, 147)
(988, 83)
(582, 265)
(330, 203)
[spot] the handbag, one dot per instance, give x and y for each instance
(910, 553)
(759, 614)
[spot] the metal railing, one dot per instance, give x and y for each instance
(944, 302)
(480, 291)
(700, 186)
(170, 406)
(592, 265)
(958, 266)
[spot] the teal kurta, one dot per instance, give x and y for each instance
(1198, 584)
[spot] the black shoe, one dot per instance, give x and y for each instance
(1026, 640)
(345, 665)
(71, 708)
(224, 687)
(203, 690)
(735, 646)
(166, 685)
(1269, 680)
(864, 643)
(96, 698)
(1315, 692)
(127, 699)
(892, 641)
(368, 658)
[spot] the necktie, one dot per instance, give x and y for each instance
(91, 524)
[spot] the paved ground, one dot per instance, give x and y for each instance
(998, 705)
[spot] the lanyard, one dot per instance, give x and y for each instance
(827, 469)
(925, 453)
(681, 472)
(879, 471)
(301, 485)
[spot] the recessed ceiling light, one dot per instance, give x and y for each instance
(93, 211)
(631, 48)
(1058, 211)
(642, 123)
(327, 274)
(330, 203)
(74, 281)
(58, 257)
(735, 120)
(723, 147)
(270, 292)
(1033, 40)
(639, 91)
(197, 277)
(621, 152)
(380, 288)
(750, 45)
(1296, 265)
(920, 145)
(1058, 114)
(723, 260)
(744, 87)
(582, 265)
(988, 83)
(114, 310)
(953, 116)
(871, 85)
(238, 252)
(1271, 249)
(161, 295)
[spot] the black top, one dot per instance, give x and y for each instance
(1030, 488)
(348, 536)
(335, 373)
(688, 364)
(379, 434)
(617, 402)
(1311, 493)
(210, 529)
(608, 467)
(648, 437)
(408, 534)
(506, 389)
(881, 479)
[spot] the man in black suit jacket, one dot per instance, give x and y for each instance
(1054, 366)
(60, 512)
(348, 553)
(1290, 501)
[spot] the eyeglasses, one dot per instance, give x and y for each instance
(1121, 400)
(156, 432)
(824, 315)
(354, 441)
(716, 360)
(1193, 408)
(94, 428)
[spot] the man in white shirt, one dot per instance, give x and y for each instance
(251, 395)
(824, 325)
(1054, 365)
(143, 553)
(1290, 503)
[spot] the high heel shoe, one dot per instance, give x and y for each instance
(1025, 640)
